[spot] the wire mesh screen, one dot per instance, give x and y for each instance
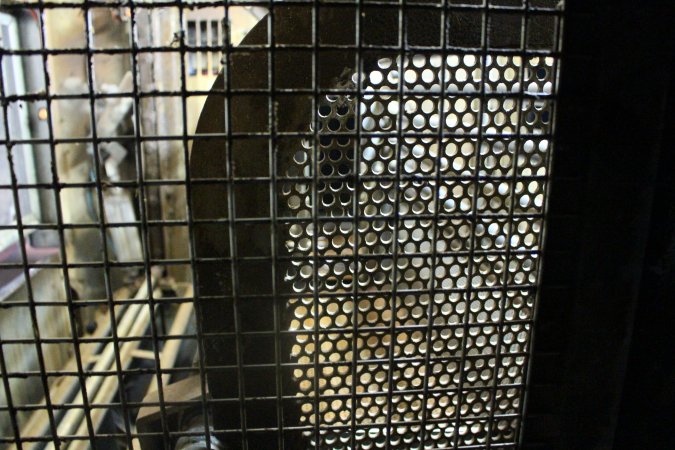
(272, 224)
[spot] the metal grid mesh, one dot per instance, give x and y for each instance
(402, 238)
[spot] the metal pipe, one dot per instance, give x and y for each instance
(130, 323)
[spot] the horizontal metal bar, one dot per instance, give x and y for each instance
(409, 93)
(328, 331)
(284, 134)
(280, 179)
(140, 4)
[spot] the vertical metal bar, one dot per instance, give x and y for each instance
(476, 188)
(402, 40)
(8, 393)
(315, 214)
(101, 215)
(509, 231)
(542, 238)
(233, 229)
(272, 156)
(144, 225)
(24, 262)
(434, 226)
(196, 304)
(356, 214)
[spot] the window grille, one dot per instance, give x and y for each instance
(273, 224)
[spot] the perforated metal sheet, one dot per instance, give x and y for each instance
(439, 327)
